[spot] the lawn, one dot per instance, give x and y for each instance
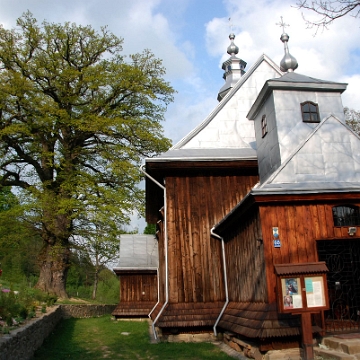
(104, 338)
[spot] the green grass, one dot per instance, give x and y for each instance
(103, 338)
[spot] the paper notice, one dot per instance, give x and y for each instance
(315, 298)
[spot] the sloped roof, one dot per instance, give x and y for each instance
(229, 135)
(138, 252)
(301, 268)
(327, 160)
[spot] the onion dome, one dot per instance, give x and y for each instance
(288, 62)
(232, 48)
(233, 68)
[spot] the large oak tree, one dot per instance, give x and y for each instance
(76, 118)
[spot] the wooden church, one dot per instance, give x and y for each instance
(257, 210)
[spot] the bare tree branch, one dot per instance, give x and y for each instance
(328, 11)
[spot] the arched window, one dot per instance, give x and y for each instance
(310, 112)
(346, 215)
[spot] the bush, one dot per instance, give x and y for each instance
(21, 305)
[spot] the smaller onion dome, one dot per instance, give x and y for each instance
(288, 62)
(232, 48)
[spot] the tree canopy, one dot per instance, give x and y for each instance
(76, 118)
(329, 10)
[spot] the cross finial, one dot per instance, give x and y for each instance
(231, 25)
(282, 24)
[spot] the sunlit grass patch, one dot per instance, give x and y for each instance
(104, 338)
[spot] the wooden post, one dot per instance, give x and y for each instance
(307, 339)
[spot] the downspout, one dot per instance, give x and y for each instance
(158, 289)
(158, 293)
(166, 254)
(225, 278)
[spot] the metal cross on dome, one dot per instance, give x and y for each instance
(282, 24)
(231, 25)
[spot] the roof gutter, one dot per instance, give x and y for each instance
(166, 257)
(225, 279)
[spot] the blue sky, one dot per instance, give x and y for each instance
(191, 36)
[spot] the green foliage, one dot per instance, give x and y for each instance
(80, 285)
(21, 304)
(150, 229)
(76, 118)
(108, 288)
(19, 245)
(98, 338)
(9, 307)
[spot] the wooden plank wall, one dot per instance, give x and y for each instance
(299, 228)
(194, 205)
(132, 287)
(245, 262)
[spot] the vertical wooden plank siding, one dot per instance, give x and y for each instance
(245, 262)
(194, 205)
(138, 287)
(299, 227)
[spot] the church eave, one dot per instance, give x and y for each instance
(274, 84)
(280, 195)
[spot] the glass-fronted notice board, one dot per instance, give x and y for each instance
(301, 287)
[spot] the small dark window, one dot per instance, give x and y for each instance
(346, 215)
(310, 112)
(263, 126)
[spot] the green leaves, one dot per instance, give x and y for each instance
(76, 119)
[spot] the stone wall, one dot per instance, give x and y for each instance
(22, 343)
(86, 311)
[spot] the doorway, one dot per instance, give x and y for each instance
(342, 258)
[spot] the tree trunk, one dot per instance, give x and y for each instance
(54, 265)
(96, 280)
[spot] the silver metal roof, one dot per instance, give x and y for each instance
(138, 252)
(206, 155)
(227, 126)
(328, 158)
(308, 188)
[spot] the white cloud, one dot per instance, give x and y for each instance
(160, 26)
(351, 95)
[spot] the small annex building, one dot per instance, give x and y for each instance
(264, 192)
(137, 272)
